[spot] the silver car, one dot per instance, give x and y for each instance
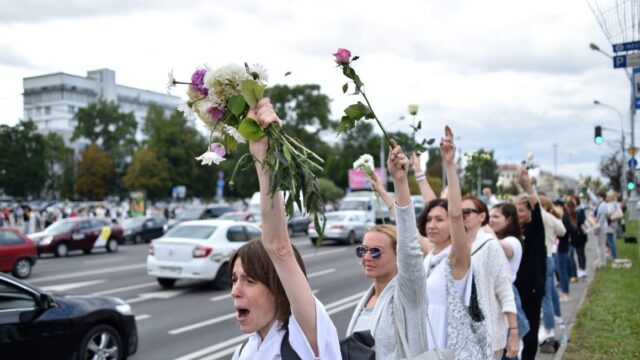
(347, 227)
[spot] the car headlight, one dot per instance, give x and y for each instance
(122, 307)
(46, 240)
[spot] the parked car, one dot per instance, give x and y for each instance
(83, 234)
(348, 227)
(367, 201)
(198, 250)
(200, 213)
(141, 229)
(18, 253)
(299, 223)
(249, 216)
(38, 325)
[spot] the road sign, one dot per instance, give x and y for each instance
(628, 60)
(636, 87)
(632, 150)
(633, 163)
(629, 46)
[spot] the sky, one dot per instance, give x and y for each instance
(512, 76)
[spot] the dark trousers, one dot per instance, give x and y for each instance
(531, 303)
(582, 259)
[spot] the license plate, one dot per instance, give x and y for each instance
(170, 269)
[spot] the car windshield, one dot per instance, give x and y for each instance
(133, 222)
(60, 226)
(191, 231)
(232, 216)
(336, 217)
(354, 205)
(190, 214)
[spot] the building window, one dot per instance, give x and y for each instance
(47, 110)
(71, 109)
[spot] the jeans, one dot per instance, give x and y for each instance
(523, 323)
(572, 262)
(550, 301)
(563, 270)
(611, 241)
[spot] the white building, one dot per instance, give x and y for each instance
(51, 100)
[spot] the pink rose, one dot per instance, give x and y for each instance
(343, 56)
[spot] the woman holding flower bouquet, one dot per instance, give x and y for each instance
(270, 292)
(392, 258)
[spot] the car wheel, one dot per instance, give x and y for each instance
(166, 283)
(87, 251)
(138, 239)
(351, 239)
(112, 245)
(22, 268)
(222, 280)
(102, 342)
(62, 250)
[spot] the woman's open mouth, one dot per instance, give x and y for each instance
(242, 314)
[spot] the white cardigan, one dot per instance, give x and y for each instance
(493, 275)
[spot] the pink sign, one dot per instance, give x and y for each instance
(358, 179)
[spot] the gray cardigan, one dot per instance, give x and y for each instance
(407, 291)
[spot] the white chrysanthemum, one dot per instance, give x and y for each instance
(367, 160)
(231, 131)
(261, 71)
(171, 82)
(186, 110)
(224, 82)
(209, 158)
(357, 165)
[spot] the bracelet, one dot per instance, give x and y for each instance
(421, 177)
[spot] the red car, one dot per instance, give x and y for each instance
(78, 234)
(18, 253)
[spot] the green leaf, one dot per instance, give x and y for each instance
(236, 105)
(252, 91)
(250, 129)
(355, 58)
(357, 111)
(431, 141)
(230, 142)
(345, 87)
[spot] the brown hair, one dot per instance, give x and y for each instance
(258, 266)
(390, 230)
(422, 218)
(480, 205)
(509, 211)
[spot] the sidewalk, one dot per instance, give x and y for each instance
(577, 291)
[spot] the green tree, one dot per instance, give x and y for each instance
(95, 173)
(330, 192)
(148, 172)
(611, 168)
(23, 170)
(60, 167)
(480, 164)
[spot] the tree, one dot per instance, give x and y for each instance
(60, 167)
(148, 172)
(301, 107)
(95, 173)
(480, 167)
(611, 168)
(23, 170)
(330, 192)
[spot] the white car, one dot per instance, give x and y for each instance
(199, 250)
(347, 227)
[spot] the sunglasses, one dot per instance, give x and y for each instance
(361, 251)
(466, 212)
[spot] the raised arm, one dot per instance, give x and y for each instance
(378, 186)
(460, 255)
(421, 179)
(275, 236)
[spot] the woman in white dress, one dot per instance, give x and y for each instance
(271, 294)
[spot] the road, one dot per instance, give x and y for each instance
(192, 321)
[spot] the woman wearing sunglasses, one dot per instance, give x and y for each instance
(492, 273)
(448, 265)
(270, 292)
(392, 259)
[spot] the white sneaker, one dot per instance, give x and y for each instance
(544, 334)
(582, 274)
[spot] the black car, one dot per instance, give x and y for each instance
(298, 223)
(37, 325)
(141, 229)
(199, 213)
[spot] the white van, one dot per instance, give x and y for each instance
(377, 210)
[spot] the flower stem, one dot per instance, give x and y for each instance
(376, 117)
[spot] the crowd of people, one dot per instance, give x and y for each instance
(463, 279)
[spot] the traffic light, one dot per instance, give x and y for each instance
(631, 184)
(598, 136)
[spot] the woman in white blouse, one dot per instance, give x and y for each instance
(271, 294)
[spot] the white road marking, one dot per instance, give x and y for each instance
(126, 288)
(202, 324)
(90, 272)
(167, 294)
(322, 253)
(70, 286)
(228, 346)
(100, 261)
(142, 317)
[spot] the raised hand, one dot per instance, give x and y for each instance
(415, 162)
(447, 147)
(397, 162)
(264, 115)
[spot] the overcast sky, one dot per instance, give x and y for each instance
(512, 76)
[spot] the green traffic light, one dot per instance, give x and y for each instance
(631, 185)
(598, 140)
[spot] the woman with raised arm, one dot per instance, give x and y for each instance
(393, 261)
(271, 293)
(530, 280)
(454, 314)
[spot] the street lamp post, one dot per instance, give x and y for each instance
(622, 177)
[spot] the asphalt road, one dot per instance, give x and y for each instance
(192, 321)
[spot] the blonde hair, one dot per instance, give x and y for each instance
(390, 231)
